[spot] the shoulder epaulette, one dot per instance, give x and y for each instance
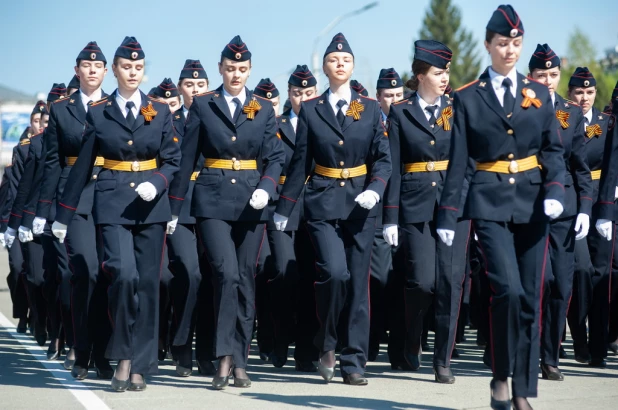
(24, 142)
(463, 87)
(66, 97)
(571, 102)
(536, 81)
(98, 102)
(263, 98)
(204, 93)
(401, 102)
(603, 114)
(367, 98)
(313, 98)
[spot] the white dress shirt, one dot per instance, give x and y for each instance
(293, 119)
(342, 94)
(122, 103)
(384, 117)
(499, 89)
(96, 96)
(424, 105)
(185, 111)
(242, 97)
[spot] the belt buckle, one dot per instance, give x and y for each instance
(345, 173)
(236, 166)
(430, 166)
(135, 167)
(513, 167)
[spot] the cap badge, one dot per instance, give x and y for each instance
(586, 83)
(238, 56)
(514, 32)
(339, 46)
(134, 55)
(548, 64)
(93, 56)
(269, 95)
(304, 83)
(168, 94)
(394, 83)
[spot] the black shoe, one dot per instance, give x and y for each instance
(22, 326)
(548, 374)
(613, 347)
(562, 353)
(162, 355)
(413, 360)
(206, 368)
(582, 354)
(80, 373)
(355, 379)
(455, 354)
(120, 385)
(279, 356)
(183, 371)
(104, 369)
(597, 362)
(220, 383)
(40, 336)
(327, 373)
(52, 352)
(138, 386)
(446, 377)
(305, 367)
(68, 363)
(265, 356)
(498, 404)
(373, 355)
(401, 366)
(243, 383)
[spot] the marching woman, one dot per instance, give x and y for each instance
(342, 133)
(135, 138)
(420, 140)
(507, 125)
(236, 132)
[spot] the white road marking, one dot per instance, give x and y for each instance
(86, 397)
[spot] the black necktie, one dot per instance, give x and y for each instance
(340, 114)
(130, 117)
(556, 105)
(237, 110)
(509, 100)
(431, 109)
(88, 105)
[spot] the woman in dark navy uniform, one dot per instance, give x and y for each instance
(574, 222)
(342, 134)
(420, 139)
(588, 315)
(135, 138)
(236, 133)
(506, 123)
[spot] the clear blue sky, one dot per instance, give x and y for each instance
(40, 40)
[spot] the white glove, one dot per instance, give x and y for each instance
(2, 241)
(146, 191)
(616, 193)
(553, 208)
(446, 236)
(582, 226)
(59, 230)
(25, 234)
(38, 225)
(604, 227)
(390, 232)
(280, 221)
(367, 199)
(259, 199)
(171, 225)
(9, 236)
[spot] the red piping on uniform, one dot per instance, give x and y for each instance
(176, 198)
(66, 206)
(555, 183)
(285, 197)
(543, 285)
(449, 208)
(460, 294)
(391, 206)
(380, 179)
(19, 216)
(257, 261)
(29, 213)
(68, 248)
(162, 176)
(266, 176)
(585, 197)
(45, 201)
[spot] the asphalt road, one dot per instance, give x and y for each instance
(29, 381)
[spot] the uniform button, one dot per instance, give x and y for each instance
(132, 184)
(511, 156)
(233, 159)
(432, 142)
(233, 181)
(511, 181)
(341, 163)
(342, 183)
(94, 176)
(233, 138)
(433, 184)
(510, 132)
(340, 142)
(130, 142)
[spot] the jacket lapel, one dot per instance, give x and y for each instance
(522, 82)
(325, 111)
(414, 109)
(349, 119)
(179, 122)
(286, 128)
(243, 116)
(113, 110)
(445, 102)
(76, 108)
(139, 120)
(486, 91)
(222, 106)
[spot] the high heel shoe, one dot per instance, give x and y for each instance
(138, 386)
(120, 385)
(447, 378)
(326, 372)
(244, 382)
(498, 404)
(549, 374)
(53, 353)
(220, 383)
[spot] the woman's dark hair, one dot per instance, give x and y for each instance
(489, 35)
(418, 67)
